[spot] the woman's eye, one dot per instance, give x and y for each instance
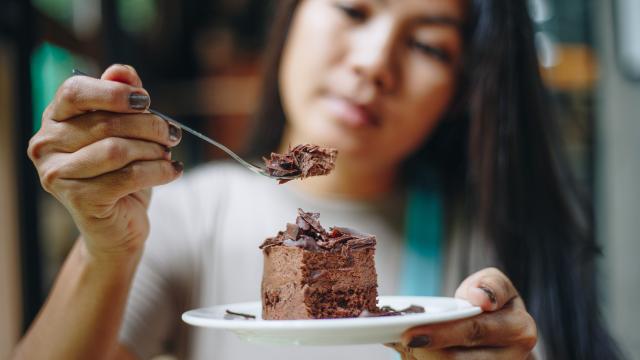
(354, 13)
(437, 53)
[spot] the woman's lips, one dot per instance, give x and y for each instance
(350, 113)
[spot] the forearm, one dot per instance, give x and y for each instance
(84, 311)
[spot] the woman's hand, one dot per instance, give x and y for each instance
(503, 331)
(99, 152)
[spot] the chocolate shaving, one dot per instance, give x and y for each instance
(302, 161)
(305, 242)
(307, 233)
(309, 220)
(413, 309)
(389, 311)
(292, 231)
(273, 241)
(232, 315)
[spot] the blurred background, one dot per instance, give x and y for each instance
(200, 60)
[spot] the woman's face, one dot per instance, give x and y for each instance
(370, 77)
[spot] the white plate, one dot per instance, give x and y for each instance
(350, 331)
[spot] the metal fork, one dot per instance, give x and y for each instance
(256, 169)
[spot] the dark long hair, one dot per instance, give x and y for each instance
(500, 152)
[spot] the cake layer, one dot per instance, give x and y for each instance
(300, 284)
(328, 304)
(291, 302)
(285, 264)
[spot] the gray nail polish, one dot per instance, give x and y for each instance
(139, 101)
(178, 166)
(175, 133)
(490, 294)
(419, 341)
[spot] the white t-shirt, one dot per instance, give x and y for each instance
(203, 251)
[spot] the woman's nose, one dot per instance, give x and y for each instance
(372, 56)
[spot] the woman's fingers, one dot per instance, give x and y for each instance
(80, 94)
(122, 73)
(461, 354)
(509, 327)
(138, 176)
(99, 152)
(143, 196)
(95, 197)
(405, 353)
(70, 136)
(504, 331)
(102, 157)
(489, 289)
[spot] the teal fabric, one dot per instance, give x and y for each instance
(422, 263)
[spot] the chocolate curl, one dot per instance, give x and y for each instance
(308, 233)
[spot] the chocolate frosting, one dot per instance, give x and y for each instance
(302, 161)
(307, 233)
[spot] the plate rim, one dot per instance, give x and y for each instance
(464, 310)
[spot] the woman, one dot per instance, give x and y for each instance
(438, 111)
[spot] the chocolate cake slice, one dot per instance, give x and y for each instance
(311, 273)
(302, 161)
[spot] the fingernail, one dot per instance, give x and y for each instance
(490, 294)
(178, 166)
(419, 341)
(167, 152)
(166, 149)
(175, 133)
(139, 101)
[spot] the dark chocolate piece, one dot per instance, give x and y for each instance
(232, 315)
(302, 161)
(389, 311)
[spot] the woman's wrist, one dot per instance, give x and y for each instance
(88, 299)
(125, 259)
